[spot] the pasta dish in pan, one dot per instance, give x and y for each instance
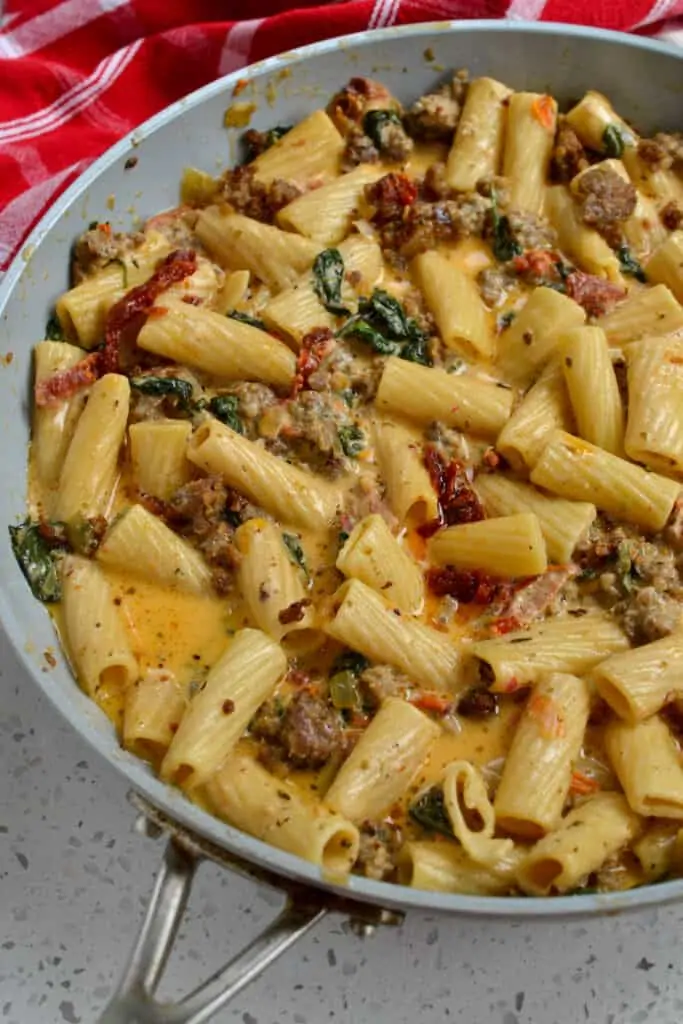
(354, 489)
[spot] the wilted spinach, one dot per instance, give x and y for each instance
(37, 560)
(164, 387)
(381, 323)
(429, 810)
(375, 121)
(244, 318)
(328, 277)
(296, 553)
(630, 265)
(352, 440)
(224, 408)
(265, 140)
(53, 328)
(504, 244)
(613, 141)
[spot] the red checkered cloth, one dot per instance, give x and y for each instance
(76, 75)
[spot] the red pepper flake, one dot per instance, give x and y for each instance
(506, 624)
(240, 86)
(228, 706)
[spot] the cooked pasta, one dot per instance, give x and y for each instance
(372, 439)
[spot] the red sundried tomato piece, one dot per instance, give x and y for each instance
(178, 265)
(65, 383)
(390, 195)
(315, 345)
(471, 587)
(458, 502)
(596, 295)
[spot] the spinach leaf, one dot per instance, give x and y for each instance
(429, 810)
(266, 140)
(164, 387)
(342, 538)
(630, 265)
(415, 349)
(37, 560)
(349, 661)
(296, 553)
(505, 319)
(245, 318)
(224, 408)
(53, 328)
(358, 328)
(382, 324)
(385, 313)
(352, 440)
(375, 121)
(504, 245)
(328, 277)
(613, 141)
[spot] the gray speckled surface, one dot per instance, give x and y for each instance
(74, 878)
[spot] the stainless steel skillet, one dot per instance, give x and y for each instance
(645, 82)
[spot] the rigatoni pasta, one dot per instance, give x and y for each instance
(347, 502)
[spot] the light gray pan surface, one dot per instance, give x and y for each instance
(644, 80)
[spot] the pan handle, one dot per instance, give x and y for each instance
(134, 1002)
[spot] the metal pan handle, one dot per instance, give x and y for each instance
(134, 1002)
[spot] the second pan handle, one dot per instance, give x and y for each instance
(134, 1001)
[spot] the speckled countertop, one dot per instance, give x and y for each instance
(74, 878)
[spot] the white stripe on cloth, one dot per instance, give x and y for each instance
(19, 214)
(525, 10)
(53, 25)
(376, 19)
(237, 45)
(658, 12)
(72, 102)
(391, 12)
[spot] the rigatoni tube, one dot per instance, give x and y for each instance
(533, 337)
(423, 394)
(593, 389)
(154, 705)
(91, 463)
(478, 144)
(647, 762)
(310, 150)
(158, 456)
(290, 493)
(383, 763)
(219, 345)
(572, 644)
(582, 243)
(410, 492)
(53, 425)
(573, 468)
(637, 683)
(665, 266)
(278, 812)
(367, 623)
(96, 638)
(506, 546)
(654, 429)
(139, 543)
(240, 681)
(454, 301)
(324, 214)
(587, 837)
(373, 555)
(272, 586)
(275, 257)
(445, 867)
(531, 121)
(537, 771)
(544, 408)
(651, 311)
(562, 523)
